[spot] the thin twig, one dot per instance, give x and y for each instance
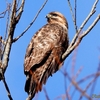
(78, 88)
(46, 94)
(20, 11)
(76, 15)
(73, 62)
(91, 26)
(15, 39)
(70, 49)
(4, 12)
(82, 26)
(72, 13)
(76, 75)
(7, 24)
(9, 39)
(89, 76)
(7, 89)
(87, 87)
(65, 84)
(94, 84)
(9, 9)
(71, 10)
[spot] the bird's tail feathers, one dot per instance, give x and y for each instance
(32, 86)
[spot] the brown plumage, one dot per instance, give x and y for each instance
(44, 53)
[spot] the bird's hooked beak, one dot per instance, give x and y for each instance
(48, 16)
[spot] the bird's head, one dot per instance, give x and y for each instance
(56, 17)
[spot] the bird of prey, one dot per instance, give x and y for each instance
(44, 52)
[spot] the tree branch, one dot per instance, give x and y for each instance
(8, 45)
(75, 43)
(89, 76)
(85, 21)
(93, 81)
(9, 39)
(76, 15)
(7, 89)
(4, 12)
(20, 11)
(46, 94)
(78, 88)
(72, 13)
(15, 39)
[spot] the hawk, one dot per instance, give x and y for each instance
(44, 53)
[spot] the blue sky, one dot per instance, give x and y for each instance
(88, 54)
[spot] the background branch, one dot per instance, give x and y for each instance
(78, 88)
(46, 94)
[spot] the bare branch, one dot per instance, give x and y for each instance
(85, 33)
(65, 84)
(76, 15)
(72, 13)
(87, 87)
(8, 45)
(7, 89)
(15, 39)
(46, 94)
(91, 26)
(77, 74)
(96, 76)
(71, 48)
(74, 61)
(9, 40)
(4, 12)
(71, 10)
(89, 76)
(8, 17)
(78, 88)
(20, 11)
(66, 93)
(83, 24)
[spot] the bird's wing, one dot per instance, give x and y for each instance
(38, 50)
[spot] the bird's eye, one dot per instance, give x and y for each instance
(54, 15)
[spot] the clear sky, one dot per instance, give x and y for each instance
(88, 54)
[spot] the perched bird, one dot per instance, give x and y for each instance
(44, 52)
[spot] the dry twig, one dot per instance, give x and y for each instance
(78, 88)
(75, 43)
(46, 94)
(89, 76)
(7, 89)
(72, 13)
(15, 39)
(8, 44)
